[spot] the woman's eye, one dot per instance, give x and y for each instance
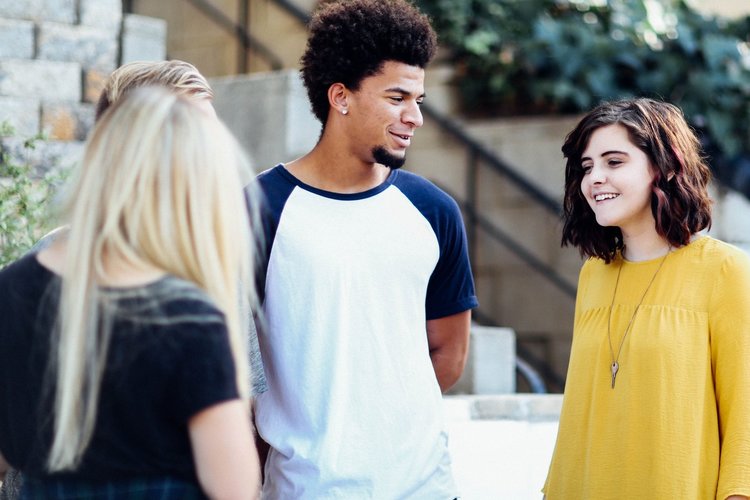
(586, 168)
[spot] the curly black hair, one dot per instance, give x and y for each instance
(679, 198)
(350, 40)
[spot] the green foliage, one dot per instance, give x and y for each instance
(564, 56)
(25, 198)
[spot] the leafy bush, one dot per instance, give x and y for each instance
(25, 198)
(564, 56)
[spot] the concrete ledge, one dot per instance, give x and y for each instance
(143, 39)
(731, 222)
(532, 408)
(526, 407)
(269, 114)
(491, 364)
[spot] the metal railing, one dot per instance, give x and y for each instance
(239, 31)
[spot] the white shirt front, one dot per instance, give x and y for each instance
(353, 409)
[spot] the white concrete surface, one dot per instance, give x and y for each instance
(501, 445)
(491, 363)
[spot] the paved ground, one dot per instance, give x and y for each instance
(498, 458)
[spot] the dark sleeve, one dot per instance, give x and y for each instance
(271, 188)
(204, 373)
(451, 287)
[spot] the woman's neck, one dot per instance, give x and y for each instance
(118, 271)
(644, 246)
(122, 273)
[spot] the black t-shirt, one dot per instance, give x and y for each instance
(168, 359)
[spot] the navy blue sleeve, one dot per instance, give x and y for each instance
(273, 187)
(451, 287)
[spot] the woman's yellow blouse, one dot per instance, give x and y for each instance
(677, 423)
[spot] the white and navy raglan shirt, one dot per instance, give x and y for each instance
(353, 409)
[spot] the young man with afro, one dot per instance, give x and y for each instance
(366, 283)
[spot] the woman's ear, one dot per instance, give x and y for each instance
(337, 98)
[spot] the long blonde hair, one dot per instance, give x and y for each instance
(160, 186)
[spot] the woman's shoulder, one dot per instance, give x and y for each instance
(25, 272)
(167, 301)
(594, 265)
(716, 254)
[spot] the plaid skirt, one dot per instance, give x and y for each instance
(136, 489)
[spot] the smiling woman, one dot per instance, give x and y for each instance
(658, 375)
(617, 181)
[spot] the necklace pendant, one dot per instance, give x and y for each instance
(615, 366)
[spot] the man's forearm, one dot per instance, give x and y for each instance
(448, 367)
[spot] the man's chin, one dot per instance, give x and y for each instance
(380, 155)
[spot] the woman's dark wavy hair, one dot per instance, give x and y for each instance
(679, 199)
(350, 40)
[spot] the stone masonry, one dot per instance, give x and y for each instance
(55, 56)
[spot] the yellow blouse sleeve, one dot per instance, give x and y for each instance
(729, 323)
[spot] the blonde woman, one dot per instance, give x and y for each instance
(180, 77)
(183, 79)
(135, 315)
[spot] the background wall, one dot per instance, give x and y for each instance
(54, 58)
(195, 37)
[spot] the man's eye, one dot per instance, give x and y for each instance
(397, 98)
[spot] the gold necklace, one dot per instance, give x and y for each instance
(616, 359)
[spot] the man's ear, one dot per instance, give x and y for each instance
(337, 98)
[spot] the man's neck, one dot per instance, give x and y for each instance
(334, 170)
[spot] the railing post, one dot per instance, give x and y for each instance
(244, 19)
(472, 174)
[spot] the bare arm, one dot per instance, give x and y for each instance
(226, 460)
(448, 339)
(4, 466)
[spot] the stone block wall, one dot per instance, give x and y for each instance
(55, 56)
